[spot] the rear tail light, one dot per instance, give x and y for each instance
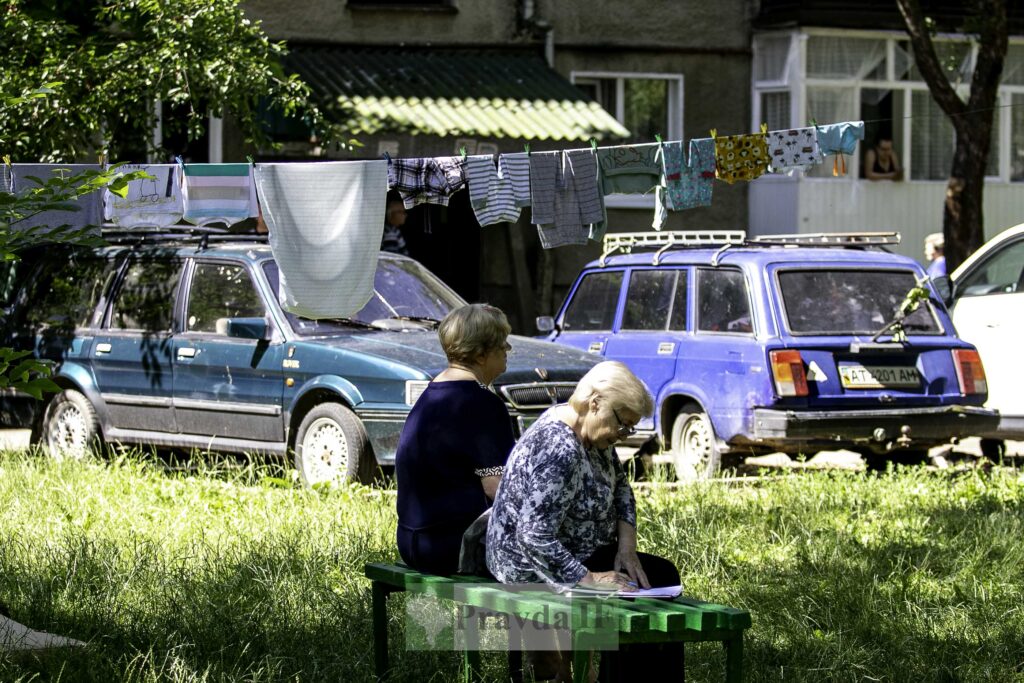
(788, 370)
(970, 372)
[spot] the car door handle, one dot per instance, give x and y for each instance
(186, 352)
(103, 347)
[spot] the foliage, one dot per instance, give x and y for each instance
(117, 57)
(987, 23)
(228, 573)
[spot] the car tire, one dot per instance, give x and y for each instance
(70, 427)
(993, 449)
(695, 453)
(331, 446)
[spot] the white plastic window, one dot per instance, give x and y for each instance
(836, 57)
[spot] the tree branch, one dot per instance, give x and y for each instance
(992, 46)
(928, 62)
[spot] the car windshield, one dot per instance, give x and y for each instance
(405, 294)
(834, 301)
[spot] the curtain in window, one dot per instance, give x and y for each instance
(775, 109)
(931, 149)
(830, 105)
(852, 58)
(771, 58)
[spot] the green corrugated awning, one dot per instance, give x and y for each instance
(469, 93)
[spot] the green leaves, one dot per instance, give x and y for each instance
(21, 372)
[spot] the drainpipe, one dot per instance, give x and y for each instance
(534, 27)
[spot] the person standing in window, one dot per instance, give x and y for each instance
(394, 218)
(455, 442)
(882, 162)
(934, 246)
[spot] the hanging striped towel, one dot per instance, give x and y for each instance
(152, 202)
(218, 193)
(325, 221)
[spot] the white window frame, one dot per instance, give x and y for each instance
(675, 119)
(797, 82)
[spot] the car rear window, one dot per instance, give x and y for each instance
(838, 301)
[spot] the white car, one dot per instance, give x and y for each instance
(987, 295)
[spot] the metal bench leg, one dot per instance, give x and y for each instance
(734, 659)
(380, 629)
(471, 650)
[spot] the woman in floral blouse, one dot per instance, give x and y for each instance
(565, 513)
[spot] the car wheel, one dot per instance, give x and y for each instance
(993, 449)
(331, 446)
(694, 446)
(70, 426)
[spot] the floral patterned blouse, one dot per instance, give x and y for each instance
(558, 502)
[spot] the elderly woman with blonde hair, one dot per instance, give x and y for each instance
(455, 442)
(565, 514)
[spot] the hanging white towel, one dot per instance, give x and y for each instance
(152, 202)
(90, 205)
(325, 221)
(218, 193)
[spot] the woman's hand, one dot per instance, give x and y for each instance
(607, 581)
(626, 561)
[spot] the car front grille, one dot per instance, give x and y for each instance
(537, 395)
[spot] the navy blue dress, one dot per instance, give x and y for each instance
(456, 433)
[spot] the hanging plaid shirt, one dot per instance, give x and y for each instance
(426, 180)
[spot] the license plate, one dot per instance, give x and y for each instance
(856, 376)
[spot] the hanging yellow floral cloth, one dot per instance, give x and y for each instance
(741, 157)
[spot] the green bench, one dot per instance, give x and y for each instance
(642, 620)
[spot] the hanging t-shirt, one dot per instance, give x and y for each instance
(840, 140)
(490, 190)
(154, 202)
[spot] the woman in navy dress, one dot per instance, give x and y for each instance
(454, 445)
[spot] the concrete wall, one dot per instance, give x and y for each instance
(476, 22)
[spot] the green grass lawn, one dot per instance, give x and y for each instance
(232, 574)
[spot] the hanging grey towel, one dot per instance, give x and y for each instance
(543, 176)
(90, 206)
(325, 221)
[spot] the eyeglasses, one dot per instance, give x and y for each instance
(623, 429)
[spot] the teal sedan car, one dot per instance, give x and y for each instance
(168, 343)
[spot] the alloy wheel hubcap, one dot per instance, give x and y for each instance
(324, 451)
(69, 434)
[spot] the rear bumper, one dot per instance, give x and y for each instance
(926, 425)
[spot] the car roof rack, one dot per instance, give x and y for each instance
(626, 242)
(118, 234)
(830, 239)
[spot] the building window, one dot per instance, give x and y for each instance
(646, 104)
(849, 76)
(403, 4)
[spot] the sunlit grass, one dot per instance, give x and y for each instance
(228, 572)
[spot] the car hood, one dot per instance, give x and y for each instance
(528, 361)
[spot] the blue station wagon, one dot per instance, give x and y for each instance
(168, 343)
(778, 344)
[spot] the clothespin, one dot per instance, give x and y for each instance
(657, 138)
(814, 122)
(7, 160)
(526, 148)
(714, 133)
(249, 159)
(593, 144)
(462, 152)
(387, 157)
(764, 129)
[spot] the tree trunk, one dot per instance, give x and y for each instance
(963, 221)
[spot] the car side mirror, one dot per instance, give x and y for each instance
(248, 328)
(944, 288)
(545, 323)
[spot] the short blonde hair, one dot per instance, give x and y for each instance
(936, 239)
(616, 384)
(469, 332)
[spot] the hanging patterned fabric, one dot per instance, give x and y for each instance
(570, 204)
(150, 202)
(490, 191)
(793, 149)
(741, 157)
(218, 193)
(630, 169)
(839, 139)
(426, 180)
(688, 185)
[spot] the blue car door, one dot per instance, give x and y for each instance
(131, 354)
(589, 314)
(226, 387)
(653, 321)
